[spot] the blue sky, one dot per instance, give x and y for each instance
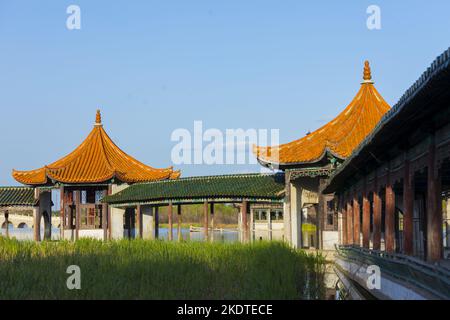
(155, 66)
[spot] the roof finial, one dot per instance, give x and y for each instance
(98, 118)
(367, 73)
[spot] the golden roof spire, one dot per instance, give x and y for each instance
(98, 118)
(367, 72)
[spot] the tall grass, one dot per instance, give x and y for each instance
(159, 270)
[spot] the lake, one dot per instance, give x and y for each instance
(219, 236)
(187, 235)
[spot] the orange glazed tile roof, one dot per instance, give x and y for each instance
(338, 137)
(96, 160)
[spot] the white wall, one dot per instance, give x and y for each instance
(330, 238)
(148, 222)
(117, 214)
(91, 234)
(117, 223)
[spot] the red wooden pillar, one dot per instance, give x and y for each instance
(244, 220)
(104, 208)
(156, 218)
(212, 220)
(61, 213)
(77, 195)
(356, 221)
(108, 214)
(349, 223)
(206, 223)
(434, 209)
(37, 224)
(366, 221)
(180, 237)
(408, 209)
(7, 223)
(344, 222)
(389, 227)
(212, 217)
(170, 218)
(139, 219)
(376, 219)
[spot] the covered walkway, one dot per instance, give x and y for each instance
(140, 203)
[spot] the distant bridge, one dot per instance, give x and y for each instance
(26, 221)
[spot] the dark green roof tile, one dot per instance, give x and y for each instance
(243, 186)
(16, 196)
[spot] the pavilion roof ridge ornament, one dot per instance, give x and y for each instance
(98, 119)
(367, 76)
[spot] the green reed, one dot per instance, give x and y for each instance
(141, 269)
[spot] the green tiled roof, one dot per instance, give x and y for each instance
(16, 196)
(238, 187)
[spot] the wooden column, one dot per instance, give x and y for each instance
(62, 212)
(205, 222)
(252, 224)
(212, 221)
(376, 219)
(434, 209)
(170, 218)
(408, 209)
(105, 221)
(389, 227)
(6, 223)
(139, 221)
(366, 221)
(356, 221)
(180, 236)
(104, 208)
(156, 217)
(349, 222)
(131, 222)
(37, 224)
(37, 217)
(244, 220)
(77, 199)
(108, 212)
(344, 223)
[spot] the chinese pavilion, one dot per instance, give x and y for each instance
(93, 170)
(309, 161)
